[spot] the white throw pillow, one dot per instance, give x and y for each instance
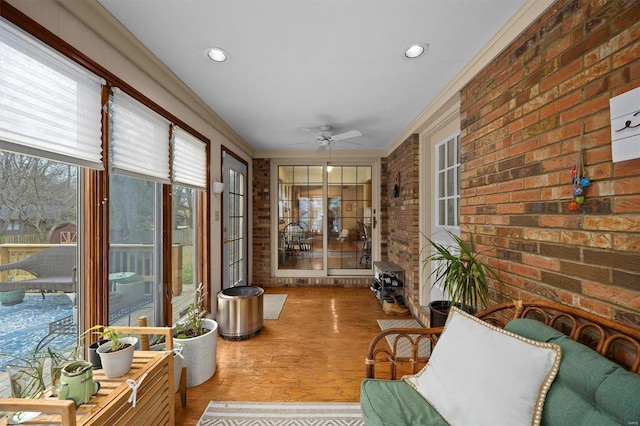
(479, 374)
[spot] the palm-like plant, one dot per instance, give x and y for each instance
(462, 275)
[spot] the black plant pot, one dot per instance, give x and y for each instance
(94, 358)
(439, 312)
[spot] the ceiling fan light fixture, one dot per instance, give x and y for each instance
(216, 54)
(415, 50)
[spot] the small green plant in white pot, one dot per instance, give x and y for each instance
(116, 355)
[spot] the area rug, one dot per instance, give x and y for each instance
(272, 305)
(404, 347)
(282, 414)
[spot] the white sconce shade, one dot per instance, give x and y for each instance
(217, 187)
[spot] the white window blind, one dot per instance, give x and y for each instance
(49, 105)
(139, 140)
(189, 160)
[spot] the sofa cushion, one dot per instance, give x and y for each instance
(480, 374)
(589, 389)
(394, 402)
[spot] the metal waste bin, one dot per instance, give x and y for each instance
(240, 312)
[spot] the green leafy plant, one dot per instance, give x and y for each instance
(462, 275)
(27, 372)
(191, 326)
(110, 334)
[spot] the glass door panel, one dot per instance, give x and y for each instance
(307, 235)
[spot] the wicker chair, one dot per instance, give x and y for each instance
(54, 268)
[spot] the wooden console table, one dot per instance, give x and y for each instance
(154, 402)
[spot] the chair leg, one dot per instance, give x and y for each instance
(182, 388)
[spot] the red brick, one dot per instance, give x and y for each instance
(525, 271)
(630, 54)
(586, 239)
(621, 223)
(626, 242)
(528, 195)
(627, 168)
(611, 294)
(595, 307)
(627, 186)
(523, 147)
(541, 261)
(548, 235)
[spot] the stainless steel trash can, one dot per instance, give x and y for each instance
(240, 312)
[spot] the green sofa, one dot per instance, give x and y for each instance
(589, 389)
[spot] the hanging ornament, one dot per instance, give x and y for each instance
(578, 179)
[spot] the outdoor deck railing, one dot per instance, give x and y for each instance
(137, 258)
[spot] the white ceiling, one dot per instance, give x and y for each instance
(305, 63)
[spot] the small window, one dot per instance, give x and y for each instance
(448, 182)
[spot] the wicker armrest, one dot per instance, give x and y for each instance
(381, 353)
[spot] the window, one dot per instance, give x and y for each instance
(50, 129)
(189, 181)
(41, 196)
(448, 182)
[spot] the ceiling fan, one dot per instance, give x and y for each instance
(325, 137)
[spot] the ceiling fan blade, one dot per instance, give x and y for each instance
(352, 143)
(305, 129)
(321, 148)
(346, 135)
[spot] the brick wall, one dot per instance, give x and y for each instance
(400, 215)
(262, 274)
(261, 220)
(524, 119)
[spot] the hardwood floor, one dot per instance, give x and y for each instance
(314, 352)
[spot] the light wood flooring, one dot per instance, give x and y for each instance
(314, 353)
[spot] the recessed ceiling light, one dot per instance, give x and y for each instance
(415, 50)
(216, 54)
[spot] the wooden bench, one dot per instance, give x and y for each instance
(155, 398)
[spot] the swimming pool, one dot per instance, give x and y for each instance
(23, 325)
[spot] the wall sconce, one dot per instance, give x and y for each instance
(217, 187)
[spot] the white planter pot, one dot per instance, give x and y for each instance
(116, 364)
(200, 354)
(178, 362)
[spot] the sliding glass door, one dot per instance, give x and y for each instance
(324, 219)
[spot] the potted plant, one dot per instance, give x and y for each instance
(76, 382)
(116, 355)
(197, 336)
(460, 274)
